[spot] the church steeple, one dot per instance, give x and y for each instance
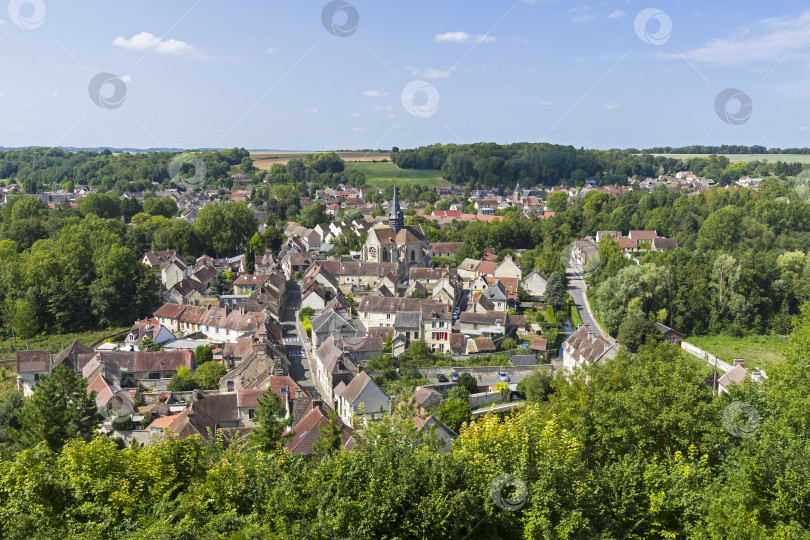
(396, 220)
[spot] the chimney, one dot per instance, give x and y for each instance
(756, 376)
(227, 309)
(739, 362)
(242, 309)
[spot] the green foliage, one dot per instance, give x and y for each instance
(556, 294)
(508, 344)
(160, 206)
(60, 409)
(203, 354)
(104, 205)
(455, 413)
(417, 294)
(207, 376)
(331, 439)
(312, 215)
(182, 381)
(537, 386)
(467, 381)
(458, 392)
(305, 313)
(267, 435)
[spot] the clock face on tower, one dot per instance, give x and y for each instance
(372, 252)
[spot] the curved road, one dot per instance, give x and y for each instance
(577, 287)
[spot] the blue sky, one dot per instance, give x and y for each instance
(269, 74)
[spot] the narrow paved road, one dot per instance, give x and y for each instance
(294, 347)
(577, 287)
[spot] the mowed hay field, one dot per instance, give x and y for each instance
(757, 351)
(381, 175)
(265, 160)
(771, 158)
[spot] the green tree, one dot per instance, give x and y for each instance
(148, 345)
(268, 434)
(305, 313)
(331, 438)
(468, 381)
(129, 207)
(208, 375)
(25, 321)
(537, 386)
(557, 201)
(160, 206)
(458, 169)
(458, 392)
(182, 381)
(104, 205)
(455, 413)
(312, 215)
(556, 294)
(59, 409)
(203, 354)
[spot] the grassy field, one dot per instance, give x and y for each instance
(771, 158)
(264, 160)
(758, 351)
(381, 175)
(55, 343)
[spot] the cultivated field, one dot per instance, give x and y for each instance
(381, 175)
(771, 158)
(758, 351)
(264, 160)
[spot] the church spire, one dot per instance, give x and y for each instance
(396, 220)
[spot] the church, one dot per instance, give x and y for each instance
(406, 246)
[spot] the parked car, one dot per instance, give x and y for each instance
(441, 378)
(503, 376)
(454, 377)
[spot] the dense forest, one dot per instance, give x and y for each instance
(528, 164)
(37, 169)
(637, 448)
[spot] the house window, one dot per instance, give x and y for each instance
(154, 375)
(366, 314)
(230, 386)
(250, 413)
(388, 316)
(36, 377)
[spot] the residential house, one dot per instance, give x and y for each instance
(331, 323)
(484, 324)
(307, 429)
(363, 399)
(437, 326)
(445, 249)
(508, 268)
(375, 311)
(147, 328)
(480, 345)
(670, 336)
(585, 348)
(333, 369)
(535, 284)
(31, 366)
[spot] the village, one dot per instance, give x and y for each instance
(313, 329)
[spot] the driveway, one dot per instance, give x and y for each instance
(577, 288)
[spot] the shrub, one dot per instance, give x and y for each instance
(306, 313)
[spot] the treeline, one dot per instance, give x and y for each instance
(38, 169)
(722, 149)
(529, 164)
(637, 448)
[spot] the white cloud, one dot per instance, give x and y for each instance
(429, 73)
(374, 93)
(358, 129)
(582, 15)
(126, 79)
(383, 108)
(802, 128)
(464, 37)
(546, 103)
(272, 51)
(150, 42)
(356, 114)
(769, 40)
(616, 14)
(611, 106)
